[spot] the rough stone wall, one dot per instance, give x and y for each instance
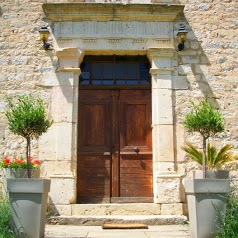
(22, 62)
(209, 62)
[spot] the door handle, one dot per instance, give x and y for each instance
(136, 149)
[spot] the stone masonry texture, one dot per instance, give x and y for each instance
(208, 66)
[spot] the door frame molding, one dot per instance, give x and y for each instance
(70, 46)
(163, 127)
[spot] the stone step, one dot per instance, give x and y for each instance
(98, 220)
(116, 209)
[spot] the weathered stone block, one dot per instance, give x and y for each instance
(64, 104)
(160, 81)
(180, 82)
(65, 168)
(172, 209)
(168, 189)
(63, 210)
(162, 107)
(164, 145)
(62, 190)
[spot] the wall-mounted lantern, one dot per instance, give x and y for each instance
(182, 37)
(44, 36)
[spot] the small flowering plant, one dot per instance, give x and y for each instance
(27, 117)
(19, 163)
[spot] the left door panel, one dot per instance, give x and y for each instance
(94, 150)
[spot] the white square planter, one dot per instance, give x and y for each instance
(28, 204)
(205, 198)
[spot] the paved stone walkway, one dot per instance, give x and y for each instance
(162, 231)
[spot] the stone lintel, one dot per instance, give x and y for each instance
(111, 12)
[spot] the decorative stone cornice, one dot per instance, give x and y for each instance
(111, 12)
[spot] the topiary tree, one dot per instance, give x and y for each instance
(207, 121)
(27, 118)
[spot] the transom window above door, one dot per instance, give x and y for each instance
(115, 70)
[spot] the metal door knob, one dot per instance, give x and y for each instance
(136, 149)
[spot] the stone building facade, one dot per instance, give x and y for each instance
(206, 67)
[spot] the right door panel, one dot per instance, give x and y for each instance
(135, 145)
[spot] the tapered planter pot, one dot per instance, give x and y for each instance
(206, 199)
(28, 204)
(16, 173)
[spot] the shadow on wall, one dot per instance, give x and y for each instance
(51, 212)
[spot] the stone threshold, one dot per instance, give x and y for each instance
(118, 209)
(99, 220)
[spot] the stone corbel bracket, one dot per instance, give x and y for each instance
(69, 59)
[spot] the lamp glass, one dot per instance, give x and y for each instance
(44, 35)
(182, 36)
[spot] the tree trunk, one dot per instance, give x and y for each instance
(28, 156)
(204, 157)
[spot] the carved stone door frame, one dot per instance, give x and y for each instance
(92, 32)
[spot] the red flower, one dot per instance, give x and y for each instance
(6, 160)
(19, 161)
(36, 162)
(30, 158)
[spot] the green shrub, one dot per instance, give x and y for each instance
(215, 158)
(206, 120)
(229, 226)
(5, 218)
(27, 117)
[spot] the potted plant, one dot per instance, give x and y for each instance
(17, 168)
(28, 196)
(215, 159)
(205, 194)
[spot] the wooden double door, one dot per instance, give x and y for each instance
(114, 146)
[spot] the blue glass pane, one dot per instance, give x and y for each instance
(132, 72)
(97, 82)
(144, 75)
(97, 71)
(85, 75)
(144, 66)
(84, 82)
(108, 71)
(132, 82)
(85, 66)
(120, 71)
(120, 82)
(107, 82)
(144, 82)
